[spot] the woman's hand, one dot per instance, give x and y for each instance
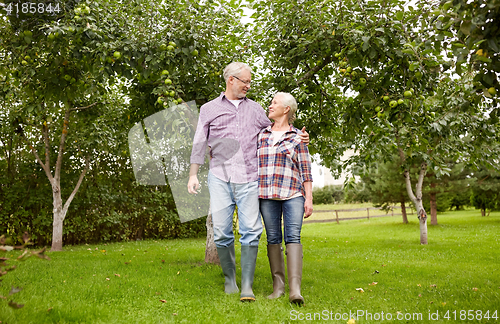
(308, 208)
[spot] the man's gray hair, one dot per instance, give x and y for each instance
(287, 100)
(235, 69)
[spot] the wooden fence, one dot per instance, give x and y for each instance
(337, 211)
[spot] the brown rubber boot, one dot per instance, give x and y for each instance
(294, 267)
(277, 264)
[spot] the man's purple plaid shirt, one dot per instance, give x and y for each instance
(231, 134)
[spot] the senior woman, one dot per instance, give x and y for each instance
(285, 190)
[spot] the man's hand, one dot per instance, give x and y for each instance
(308, 208)
(304, 137)
(193, 184)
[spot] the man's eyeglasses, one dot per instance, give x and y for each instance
(245, 82)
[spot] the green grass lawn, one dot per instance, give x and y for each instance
(167, 281)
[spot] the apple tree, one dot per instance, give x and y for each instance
(368, 76)
(472, 37)
(79, 78)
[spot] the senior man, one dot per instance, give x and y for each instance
(229, 125)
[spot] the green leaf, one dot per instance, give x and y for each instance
(465, 27)
(399, 15)
(483, 59)
(413, 66)
(489, 78)
(493, 44)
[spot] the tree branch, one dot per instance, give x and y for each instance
(83, 108)
(45, 134)
(57, 173)
(315, 69)
(423, 169)
(37, 157)
(80, 180)
(406, 175)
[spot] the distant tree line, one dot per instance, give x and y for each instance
(384, 186)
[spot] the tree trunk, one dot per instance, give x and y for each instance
(57, 217)
(211, 255)
(434, 219)
(483, 212)
(403, 212)
(417, 200)
(422, 217)
(57, 232)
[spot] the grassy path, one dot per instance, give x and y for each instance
(166, 282)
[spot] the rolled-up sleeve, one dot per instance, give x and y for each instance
(304, 162)
(200, 138)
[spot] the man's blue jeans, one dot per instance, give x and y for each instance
(224, 196)
(292, 211)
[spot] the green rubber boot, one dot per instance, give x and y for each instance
(248, 260)
(227, 263)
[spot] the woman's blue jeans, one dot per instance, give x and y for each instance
(292, 211)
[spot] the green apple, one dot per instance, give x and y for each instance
(172, 44)
(28, 33)
(163, 46)
(23, 62)
(380, 114)
(159, 101)
(194, 53)
(362, 81)
(349, 69)
(408, 94)
(168, 81)
(117, 54)
(377, 109)
(67, 77)
(171, 93)
(386, 98)
(492, 91)
(393, 103)
(170, 48)
(400, 101)
(164, 72)
(51, 37)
